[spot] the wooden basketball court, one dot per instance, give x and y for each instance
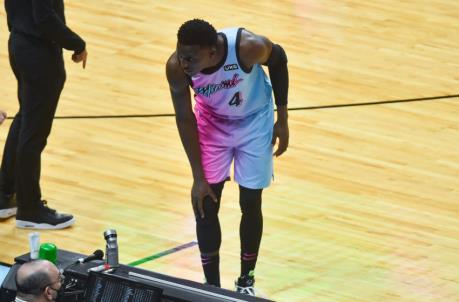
(365, 203)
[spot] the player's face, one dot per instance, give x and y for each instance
(194, 58)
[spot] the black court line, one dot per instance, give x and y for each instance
(69, 117)
(432, 98)
(115, 116)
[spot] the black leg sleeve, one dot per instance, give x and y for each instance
(209, 236)
(251, 227)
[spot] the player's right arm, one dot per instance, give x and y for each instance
(184, 116)
(187, 128)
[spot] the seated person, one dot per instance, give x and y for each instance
(38, 281)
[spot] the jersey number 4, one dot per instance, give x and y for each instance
(235, 100)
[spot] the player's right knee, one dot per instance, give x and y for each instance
(210, 213)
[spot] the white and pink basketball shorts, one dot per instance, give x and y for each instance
(247, 141)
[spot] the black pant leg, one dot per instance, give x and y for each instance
(8, 167)
(40, 68)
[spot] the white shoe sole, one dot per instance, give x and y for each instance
(6, 213)
(23, 224)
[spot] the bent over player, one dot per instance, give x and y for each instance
(233, 119)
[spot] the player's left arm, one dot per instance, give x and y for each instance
(255, 49)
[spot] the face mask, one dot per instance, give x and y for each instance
(59, 293)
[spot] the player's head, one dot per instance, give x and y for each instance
(196, 45)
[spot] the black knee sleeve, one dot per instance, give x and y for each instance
(208, 228)
(250, 201)
(251, 227)
(210, 207)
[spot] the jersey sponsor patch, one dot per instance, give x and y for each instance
(230, 67)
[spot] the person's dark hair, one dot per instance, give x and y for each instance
(197, 32)
(33, 284)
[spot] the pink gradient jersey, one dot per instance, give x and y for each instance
(235, 118)
(229, 91)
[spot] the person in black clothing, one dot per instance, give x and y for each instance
(37, 35)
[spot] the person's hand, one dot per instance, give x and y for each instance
(199, 191)
(2, 116)
(280, 131)
(81, 57)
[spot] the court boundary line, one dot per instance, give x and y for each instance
(423, 99)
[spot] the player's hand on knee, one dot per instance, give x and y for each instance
(281, 132)
(199, 191)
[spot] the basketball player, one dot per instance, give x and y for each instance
(233, 119)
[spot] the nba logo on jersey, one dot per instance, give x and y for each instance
(230, 67)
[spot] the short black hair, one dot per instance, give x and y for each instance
(197, 32)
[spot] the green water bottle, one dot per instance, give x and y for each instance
(48, 251)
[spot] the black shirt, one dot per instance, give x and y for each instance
(42, 19)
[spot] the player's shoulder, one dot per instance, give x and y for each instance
(251, 40)
(173, 62)
(173, 68)
(253, 47)
(174, 72)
